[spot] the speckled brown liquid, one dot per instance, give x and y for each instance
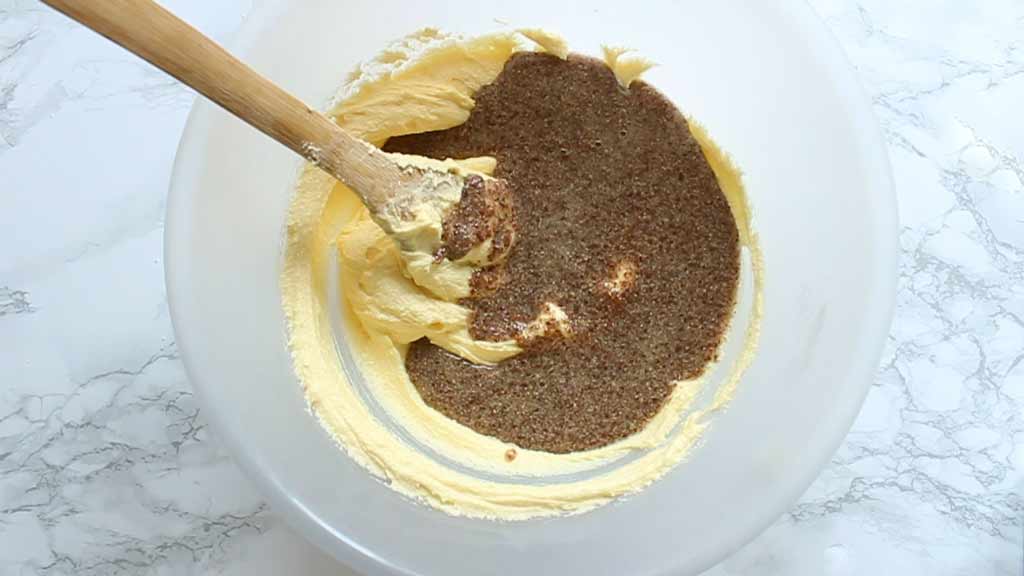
(621, 223)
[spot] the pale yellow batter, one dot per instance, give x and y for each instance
(392, 297)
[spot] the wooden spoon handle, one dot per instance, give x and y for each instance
(159, 37)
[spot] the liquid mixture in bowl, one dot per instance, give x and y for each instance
(574, 370)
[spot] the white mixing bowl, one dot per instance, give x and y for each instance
(773, 89)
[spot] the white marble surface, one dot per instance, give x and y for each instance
(106, 465)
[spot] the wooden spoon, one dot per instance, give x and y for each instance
(388, 189)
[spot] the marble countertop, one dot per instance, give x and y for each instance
(106, 464)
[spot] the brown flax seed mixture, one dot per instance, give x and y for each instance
(620, 223)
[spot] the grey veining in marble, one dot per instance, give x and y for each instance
(106, 466)
(14, 302)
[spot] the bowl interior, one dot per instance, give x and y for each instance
(772, 89)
